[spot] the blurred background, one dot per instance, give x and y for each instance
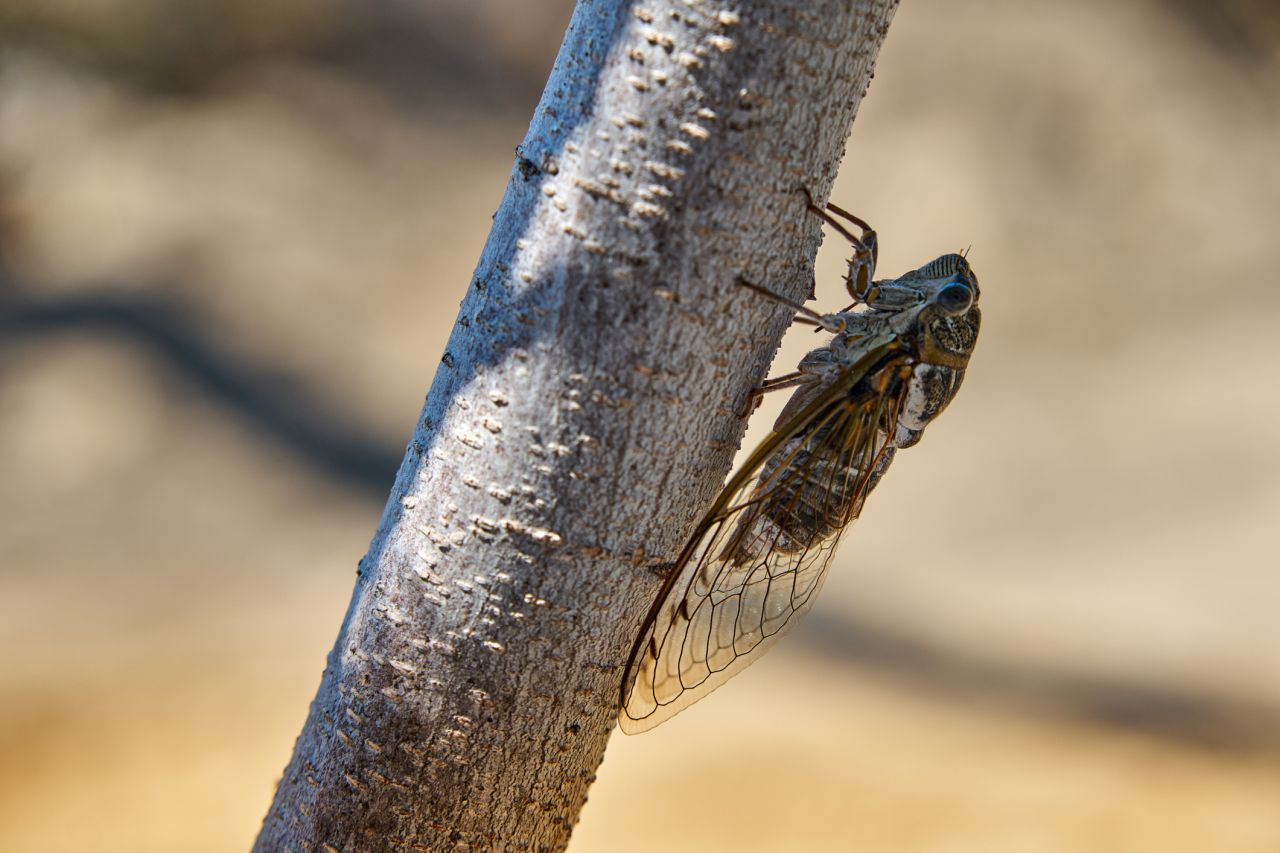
(233, 234)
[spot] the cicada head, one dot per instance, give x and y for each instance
(949, 318)
(934, 307)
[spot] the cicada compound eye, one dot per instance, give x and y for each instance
(955, 298)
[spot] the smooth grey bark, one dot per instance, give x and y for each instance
(585, 413)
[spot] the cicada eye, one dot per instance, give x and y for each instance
(955, 298)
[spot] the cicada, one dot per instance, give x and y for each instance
(758, 557)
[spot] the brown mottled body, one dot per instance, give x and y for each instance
(825, 494)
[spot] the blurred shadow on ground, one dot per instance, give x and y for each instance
(285, 414)
(293, 418)
(1246, 32)
(1212, 722)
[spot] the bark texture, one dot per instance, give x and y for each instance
(584, 414)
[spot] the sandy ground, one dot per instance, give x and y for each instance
(1096, 511)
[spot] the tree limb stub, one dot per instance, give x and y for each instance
(585, 413)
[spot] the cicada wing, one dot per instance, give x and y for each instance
(758, 559)
(684, 658)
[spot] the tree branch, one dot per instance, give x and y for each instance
(585, 413)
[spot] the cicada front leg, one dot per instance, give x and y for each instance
(862, 266)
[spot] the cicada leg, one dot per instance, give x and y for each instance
(831, 322)
(866, 249)
(777, 383)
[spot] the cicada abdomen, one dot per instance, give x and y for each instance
(816, 482)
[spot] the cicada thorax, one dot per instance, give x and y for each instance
(942, 343)
(943, 348)
(928, 391)
(949, 340)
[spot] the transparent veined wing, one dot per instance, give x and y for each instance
(758, 558)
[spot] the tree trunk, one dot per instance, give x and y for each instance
(586, 412)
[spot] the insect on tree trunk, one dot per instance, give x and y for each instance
(585, 413)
